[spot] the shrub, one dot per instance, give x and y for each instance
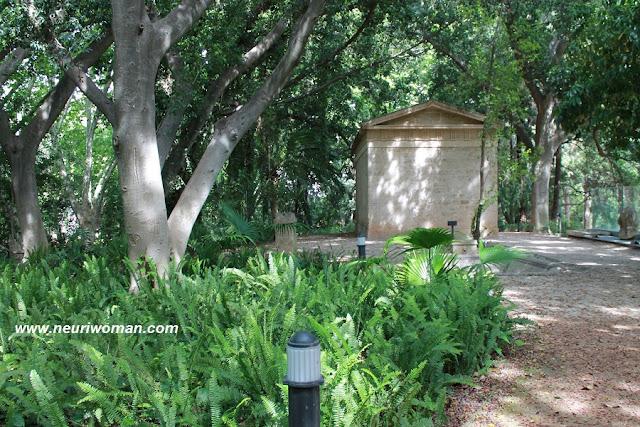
(390, 349)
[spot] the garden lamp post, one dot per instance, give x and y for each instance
(452, 224)
(361, 241)
(304, 379)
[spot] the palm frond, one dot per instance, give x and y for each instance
(421, 238)
(239, 224)
(498, 254)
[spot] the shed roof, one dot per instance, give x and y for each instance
(413, 118)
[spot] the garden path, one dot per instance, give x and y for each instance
(580, 364)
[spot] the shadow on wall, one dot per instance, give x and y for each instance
(421, 183)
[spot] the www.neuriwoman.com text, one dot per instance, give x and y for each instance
(96, 329)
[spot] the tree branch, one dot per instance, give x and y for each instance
(92, 123)
(76, 71)
(557, 48)
(96, 198)
(349, 73)
(11, 63)
(331, 57)
(443, 50)
(93, 92)
(173, 26)
(182, 94)
(55, 101)
(228, 131)
(64, 174)
(527, 75)
(7, 136)
(523, 135)
(215, 90)
(605, 155)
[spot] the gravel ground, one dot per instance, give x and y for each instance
(580, 364)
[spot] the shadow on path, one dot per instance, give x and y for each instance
(581, 361)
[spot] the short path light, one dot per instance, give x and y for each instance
(361, 241)
(452, 224)
(304, 379)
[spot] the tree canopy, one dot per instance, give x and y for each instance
(157, 111)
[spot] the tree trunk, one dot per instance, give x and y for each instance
(135, 141)
(482, 171)
(21, 147)
(557, 177)
(25, 195)
(587, 216)
(567, 206)
(547, 138)
(621, 198)
(145, 212)
(540, 194)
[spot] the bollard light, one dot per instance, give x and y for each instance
(304, 380)
(452, 224)
(361, 241)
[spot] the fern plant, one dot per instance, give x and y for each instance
(392, 345)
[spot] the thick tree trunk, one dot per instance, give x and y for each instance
(25, 194)
(548, 138)
(135, 141)
(140, 176)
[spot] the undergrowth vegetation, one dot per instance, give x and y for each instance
(391, 347)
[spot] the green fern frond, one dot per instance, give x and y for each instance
(46, 401)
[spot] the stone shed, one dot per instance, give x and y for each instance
(420, 167)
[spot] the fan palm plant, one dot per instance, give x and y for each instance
(421, 238)
(427, 254)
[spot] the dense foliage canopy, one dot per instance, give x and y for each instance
(552, 76)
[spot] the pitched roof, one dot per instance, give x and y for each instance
(381, 122)
(419, 107)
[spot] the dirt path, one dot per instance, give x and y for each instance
(581, 361)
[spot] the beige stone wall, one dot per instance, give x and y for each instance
(421, 178)
(362, 199)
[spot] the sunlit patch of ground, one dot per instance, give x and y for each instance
(581, 361)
